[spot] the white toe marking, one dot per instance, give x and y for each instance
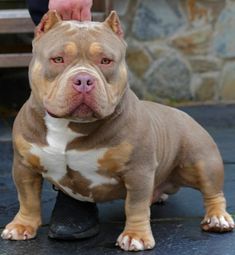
(15, 234)
(136, 245)
(125, 243)
(6, 234)
(223, 222)
(231, 222)
(10, 234)
(119, 239)
(214, 222)
(130, 244)
(149, 247)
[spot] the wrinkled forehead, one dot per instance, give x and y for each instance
(70, 36)
(82, 29)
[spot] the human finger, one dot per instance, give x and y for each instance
(85, 14)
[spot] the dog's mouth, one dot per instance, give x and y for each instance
(82, 111)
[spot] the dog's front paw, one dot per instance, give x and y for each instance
(15, 231)
(135, 241)
(218, 223)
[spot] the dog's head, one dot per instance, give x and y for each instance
(78, 70)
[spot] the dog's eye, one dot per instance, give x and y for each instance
(105, 61)
(58, 60)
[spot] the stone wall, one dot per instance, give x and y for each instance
(180, 50)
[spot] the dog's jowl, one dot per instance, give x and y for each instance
(85, 131)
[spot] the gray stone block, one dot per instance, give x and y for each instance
(169, 77)
(203, 86)
(138, 60)
(228, 82)
(205, 63)
(136, 85)
(224, 42)
(193, 41)
(156, 19)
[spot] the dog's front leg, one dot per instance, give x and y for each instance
(137, 234)
(28, 219)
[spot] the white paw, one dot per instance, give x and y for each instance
(221, 223)
(18, 232)
(129, 243)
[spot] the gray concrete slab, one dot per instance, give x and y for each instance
(216, 116)
(182, 237)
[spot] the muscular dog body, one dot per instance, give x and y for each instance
(85, 131)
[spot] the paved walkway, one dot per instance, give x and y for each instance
(175, 225)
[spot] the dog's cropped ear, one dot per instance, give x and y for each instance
(114, 23)
(47, 22)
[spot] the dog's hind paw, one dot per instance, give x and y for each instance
(218, 223)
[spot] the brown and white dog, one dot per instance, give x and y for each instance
(85, 131)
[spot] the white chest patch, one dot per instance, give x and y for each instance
(55, 159)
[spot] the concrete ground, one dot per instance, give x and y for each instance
(175, 225)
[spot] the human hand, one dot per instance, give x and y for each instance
(72, 9)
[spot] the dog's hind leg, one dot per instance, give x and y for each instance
(211, 185)
(207, 175)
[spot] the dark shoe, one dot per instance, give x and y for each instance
(72, 219)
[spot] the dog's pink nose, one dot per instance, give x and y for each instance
(84, 82)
